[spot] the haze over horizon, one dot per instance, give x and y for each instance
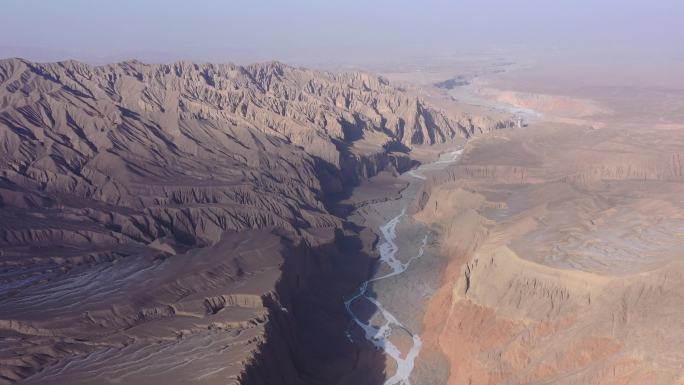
(344, 32)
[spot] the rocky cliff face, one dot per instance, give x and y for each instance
(150, 211)
(565, 264)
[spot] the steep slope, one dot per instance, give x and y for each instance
(565, 246)
(177, 212)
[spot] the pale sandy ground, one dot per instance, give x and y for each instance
(406, 295)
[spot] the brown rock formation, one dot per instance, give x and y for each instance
(168, 223)
(565, 248)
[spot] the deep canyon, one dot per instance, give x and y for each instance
(182, 223)
(269, 224)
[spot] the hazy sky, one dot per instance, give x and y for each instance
(333, 30)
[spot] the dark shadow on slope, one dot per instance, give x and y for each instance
(307, 333)
(338, 184)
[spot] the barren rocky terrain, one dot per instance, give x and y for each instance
(178, 223)
(564, 241)
(267, 224)
(565, 259)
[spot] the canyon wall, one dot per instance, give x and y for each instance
(171, 223)
(564, 247)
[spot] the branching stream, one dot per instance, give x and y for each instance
(380, 336)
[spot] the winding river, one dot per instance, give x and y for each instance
(380, 335)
